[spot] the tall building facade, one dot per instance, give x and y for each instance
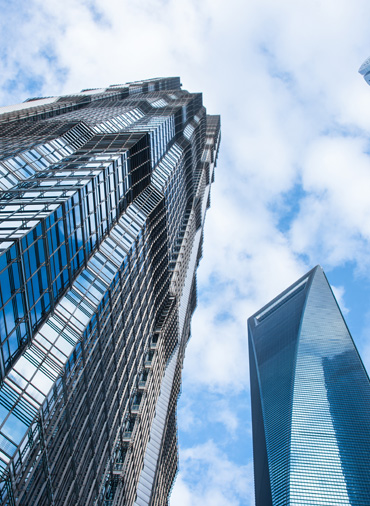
(102, 205)
(310, 401)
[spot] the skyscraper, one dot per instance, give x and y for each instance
(310, 401)
(103, 200)
(364, 70)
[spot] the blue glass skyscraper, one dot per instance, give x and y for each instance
(103, 197)
(310, 401)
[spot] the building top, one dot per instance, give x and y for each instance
(34, 105)
(364, 70)
(282, 297)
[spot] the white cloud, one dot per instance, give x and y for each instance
(365, 349)
(363, 341)
(334, 218)
(208, 478)
(339, 292)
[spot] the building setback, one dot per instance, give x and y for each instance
(102, 205)
(310, 401)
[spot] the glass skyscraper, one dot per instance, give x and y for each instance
(310, 401)
(364, 70)
(102, 205)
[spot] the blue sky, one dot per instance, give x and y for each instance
(292, 183)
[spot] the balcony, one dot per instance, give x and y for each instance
(128, 428)
(149, 358)
(143, 379)
(135, 406)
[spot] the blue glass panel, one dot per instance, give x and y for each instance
(24, 243)
(38, 311)
(2, 326)
(35, 286)
(5, 286)
(63, 253)
(13, 253)
(46, 302)
(32, 258)
(6, 353)
(19, 303)
(22, 329)
(9, 317)
(15, 270)
(44, 278)
(72, 246)
(30, 293)
(26, 262)
(40, 249)
(13, 344)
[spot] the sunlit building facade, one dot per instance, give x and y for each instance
(102, 205)
(310, 401)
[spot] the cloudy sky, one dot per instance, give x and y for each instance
(293, 179)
